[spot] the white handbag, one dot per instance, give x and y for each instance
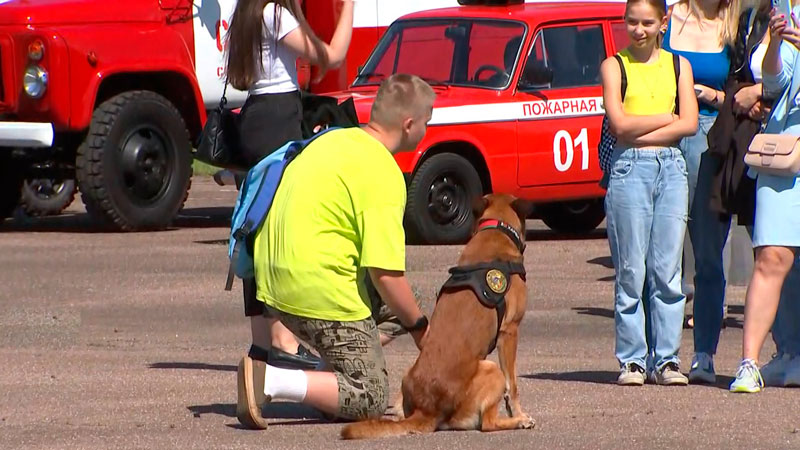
(774, 154)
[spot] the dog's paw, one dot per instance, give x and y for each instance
(527, 423)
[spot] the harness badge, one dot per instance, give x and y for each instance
(497, 281)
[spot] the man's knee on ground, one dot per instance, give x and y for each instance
(364, 399)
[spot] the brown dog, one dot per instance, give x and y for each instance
(452, 385)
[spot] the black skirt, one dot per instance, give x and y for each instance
(266, 123)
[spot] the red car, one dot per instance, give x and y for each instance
(518, 109)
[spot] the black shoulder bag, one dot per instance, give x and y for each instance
(219, 141)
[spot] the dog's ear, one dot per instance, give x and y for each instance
(523, 208)
(479, 205)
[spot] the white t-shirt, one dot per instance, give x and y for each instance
(756, 60)
(280, 72)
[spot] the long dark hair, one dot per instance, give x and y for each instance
(244, 41)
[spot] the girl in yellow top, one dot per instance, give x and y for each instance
(647, 198)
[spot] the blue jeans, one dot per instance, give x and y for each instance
(708, 232)
(693, 148)
(646, 209)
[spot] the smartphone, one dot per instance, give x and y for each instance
(784, 7)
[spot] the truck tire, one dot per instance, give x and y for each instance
(46, 197)
(574, 217)
(440, 196)
(135, 165)
(11, 179)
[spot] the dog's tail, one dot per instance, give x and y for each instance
(369, 429)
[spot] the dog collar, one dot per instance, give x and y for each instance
(505, 228)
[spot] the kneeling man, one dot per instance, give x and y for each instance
(337, 218)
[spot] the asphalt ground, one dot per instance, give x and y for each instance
(127, 340)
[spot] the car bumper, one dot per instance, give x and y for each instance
(26, 134)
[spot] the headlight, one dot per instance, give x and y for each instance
(36, 50)
(35, 81)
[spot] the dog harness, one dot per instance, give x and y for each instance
(488, 280)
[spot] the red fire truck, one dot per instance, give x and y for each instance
(110, 96)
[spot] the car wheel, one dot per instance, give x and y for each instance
(440, 196)
(134, 168)
(575, 217)
(11, 180)
(46, 197)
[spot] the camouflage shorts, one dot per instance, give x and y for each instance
(354, 353)
(353, 350)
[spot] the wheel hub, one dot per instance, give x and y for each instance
(145, 163)
(447, 202)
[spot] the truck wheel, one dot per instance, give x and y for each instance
(134, 167)
(440, 196)
(46, 197)
(575, 217)
(11, 179)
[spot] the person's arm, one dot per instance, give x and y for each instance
(745, 98)
(778, 64)
(301, 42)
(395, 291)
(686, 123)
(379, 199)
(626, 127)
(710, 96)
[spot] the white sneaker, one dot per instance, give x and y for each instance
(748, 378)
(792, 377)
(631, 374)
(702, 370)
(774, 371)
(670, 375)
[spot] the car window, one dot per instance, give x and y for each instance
(619, 32)
(480, 53)
(493, 53)
(423, 49)
(572, 53)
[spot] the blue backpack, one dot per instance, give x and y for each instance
(253, 204)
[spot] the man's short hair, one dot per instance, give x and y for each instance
(401, 96)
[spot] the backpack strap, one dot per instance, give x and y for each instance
(623, 85)
(262, 201)
(676, 66)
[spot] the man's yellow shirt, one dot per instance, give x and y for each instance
(338, 210)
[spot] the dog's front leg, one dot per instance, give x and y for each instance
(507, 354)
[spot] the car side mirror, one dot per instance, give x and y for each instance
(536, 75)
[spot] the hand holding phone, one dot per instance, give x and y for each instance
(784, 7)
(779, 22)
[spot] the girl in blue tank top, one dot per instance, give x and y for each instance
(702, 32)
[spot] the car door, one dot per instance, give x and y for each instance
(561, 117)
